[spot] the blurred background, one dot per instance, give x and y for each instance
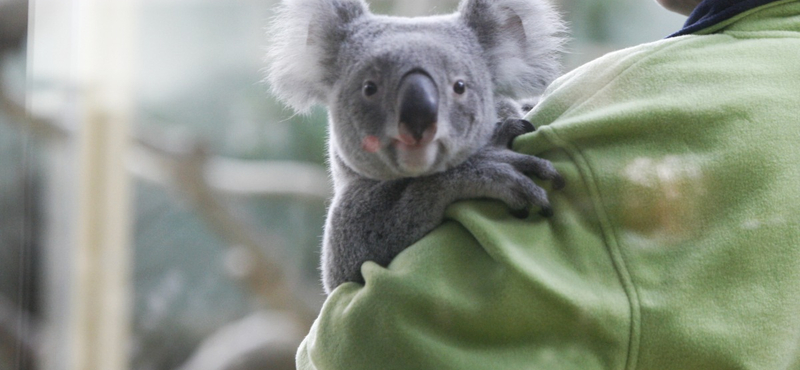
(158, 209)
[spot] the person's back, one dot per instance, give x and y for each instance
(675, 245)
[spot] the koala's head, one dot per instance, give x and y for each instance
(410, 96)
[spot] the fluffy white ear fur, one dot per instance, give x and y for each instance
(521, 39)
(305, 37)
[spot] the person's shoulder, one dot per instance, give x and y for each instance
(600, 71)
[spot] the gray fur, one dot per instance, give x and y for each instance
(391, 189)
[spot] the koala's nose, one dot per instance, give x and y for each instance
(418, 104)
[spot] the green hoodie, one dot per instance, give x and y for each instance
(675, 245)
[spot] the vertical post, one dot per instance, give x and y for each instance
(49, 26)
(81, 55)
(102, 76)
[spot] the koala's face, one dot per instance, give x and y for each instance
(411, 98)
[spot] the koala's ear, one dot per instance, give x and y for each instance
(305, 38)
(521, 40)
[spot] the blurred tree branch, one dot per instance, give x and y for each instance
(186, 164)
(194, 171)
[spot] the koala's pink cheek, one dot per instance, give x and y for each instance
(371, 143)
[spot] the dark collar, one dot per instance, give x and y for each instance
(711, 12)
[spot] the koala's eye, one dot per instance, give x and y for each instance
(370, 88)
(459, 87)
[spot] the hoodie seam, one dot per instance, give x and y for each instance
(610, 238)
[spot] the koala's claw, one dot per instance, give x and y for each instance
(529, 127)
(558, 182)
(546, 212)
(508, 130)
(520, 213)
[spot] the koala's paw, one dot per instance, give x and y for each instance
(507, 130)
(513, 187)
(509, 170)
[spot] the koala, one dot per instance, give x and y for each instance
(422, 112)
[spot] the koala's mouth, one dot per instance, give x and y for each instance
(418, 158)
(405, 140)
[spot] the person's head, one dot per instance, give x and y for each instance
(684, 7)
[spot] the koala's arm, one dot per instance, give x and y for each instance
(375, 220)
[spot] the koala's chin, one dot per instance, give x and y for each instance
(417, 160)
(396, 160)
